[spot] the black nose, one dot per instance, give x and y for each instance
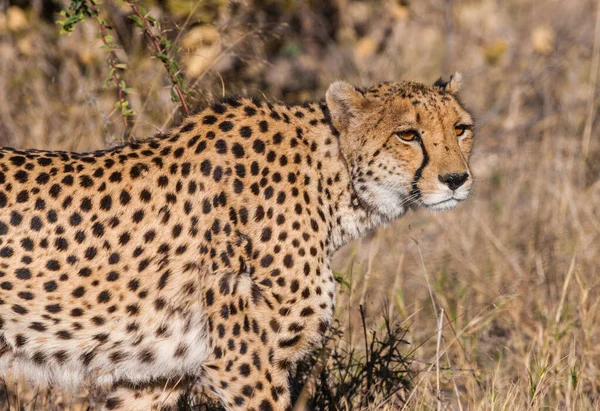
(454, 180)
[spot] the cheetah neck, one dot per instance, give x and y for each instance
(351, 218)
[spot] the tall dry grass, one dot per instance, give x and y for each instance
(500, 298)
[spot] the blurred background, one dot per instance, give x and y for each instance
(499, 300)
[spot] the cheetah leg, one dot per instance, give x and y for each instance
(257, 394)
(146, 398)
(251, 384)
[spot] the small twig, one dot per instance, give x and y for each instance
(114, 63)
(431, 296)
(564, 290)
(160, 50)
(437, 359)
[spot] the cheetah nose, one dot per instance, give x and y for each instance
(454, 180)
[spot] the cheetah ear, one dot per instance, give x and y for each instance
(452, 86)
(344, 102)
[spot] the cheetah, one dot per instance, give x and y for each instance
(202, 255)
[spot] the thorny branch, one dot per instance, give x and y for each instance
(115, 65)
(160, 51)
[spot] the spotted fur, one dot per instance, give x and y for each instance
(203, 255)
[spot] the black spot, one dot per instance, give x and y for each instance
(17, 160)
(86, 204)
(306, 312)
(200, 147)
(90, 253)
(245, 132)
(221, 146)
(53, 308)
(53, 265)
(19, 309)
(52, 217)
(37, 326)
(238, 186)
(78, 292)
(50, 286)
(258, 146)
(25, 295)
(64, 335)
(250, 111)
(146, 356)
(44, 161)
(206, 167)
(39, 358)
(137, 170)
(188, 127)
(163, 181)
(86, 181)
(209, 120)
(42, 178)
(263, 126)
(206, 207)
(218, 174)
(98, 229)
(84, 272)
(138, 216)
(113, 403)
(104, 297)
(115, 177)
(112, 276)
(36, 223)
(265, 405)
(106, 203)
(245, 370)
(237, 150)
(289, 342)
(209, 297)
(6, 252)
(23, 274)
(219, 108)
(124, 197)
(23, 196)
(179, 152)
(266, 261)
(226, 126)
(133, 285)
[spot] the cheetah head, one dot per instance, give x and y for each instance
(406, 145)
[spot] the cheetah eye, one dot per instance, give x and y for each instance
(461, 128)
(407, 135)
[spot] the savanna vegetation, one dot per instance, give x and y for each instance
(494, 305)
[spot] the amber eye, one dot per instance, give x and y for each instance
(460, 129)
(408, 135)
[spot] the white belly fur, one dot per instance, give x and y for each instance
(102, 373)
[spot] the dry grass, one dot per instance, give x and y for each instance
(500, 298)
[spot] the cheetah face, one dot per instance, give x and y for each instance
(406, 144)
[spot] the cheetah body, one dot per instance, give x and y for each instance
(203, 255)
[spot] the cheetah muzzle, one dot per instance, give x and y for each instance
(203, 255)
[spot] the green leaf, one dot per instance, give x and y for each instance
(138, 21)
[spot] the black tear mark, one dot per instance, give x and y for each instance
(416, 192)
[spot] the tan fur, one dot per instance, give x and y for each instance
(204, 255)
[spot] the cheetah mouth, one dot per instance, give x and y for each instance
(447, 204)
